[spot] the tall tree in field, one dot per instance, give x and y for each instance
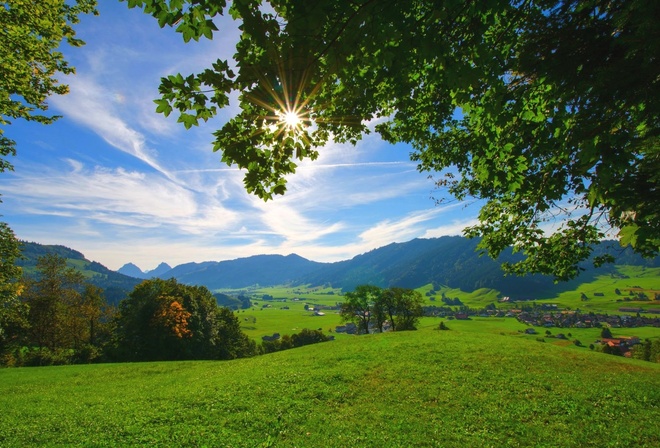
(545, 109)
(407, 308)
(48, 296)
(358, 306)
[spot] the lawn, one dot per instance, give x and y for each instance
(424, 388)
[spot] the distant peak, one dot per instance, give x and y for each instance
(131, 270)
(160, 269)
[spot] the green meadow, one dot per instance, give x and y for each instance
(482, 383)
(426, 388)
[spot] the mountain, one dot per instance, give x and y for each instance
(116, 285)
(132, 270)
(450, 261)
(160, 270)
(454, 261)
(265, 270)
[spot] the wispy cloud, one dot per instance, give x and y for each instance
(92, 106)
(118, 197)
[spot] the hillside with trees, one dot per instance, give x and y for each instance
(115, 285)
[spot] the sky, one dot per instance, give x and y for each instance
(120, 183)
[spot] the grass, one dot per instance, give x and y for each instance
(424, 388)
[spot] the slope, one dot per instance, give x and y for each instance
(115, 285)
(242, 272)
(425, 388)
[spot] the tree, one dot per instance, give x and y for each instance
(50, 295)
(307, 337)
(29, 39)
(371, 305)
(232, 342)
(606, 333)
(408, 308)
(67, 318)
(166, 320)
(544, 109)
(13, 313)
(358, 306)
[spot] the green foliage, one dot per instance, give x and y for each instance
(286, 342)
(63, 319)
(166, 320)
(544, 109)
(649, 350)
(370, 306)
(13, 313)
(358, 306)
(29, 39)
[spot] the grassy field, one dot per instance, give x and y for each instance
(423, 389)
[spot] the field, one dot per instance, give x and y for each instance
(482, 383)
(425, 388)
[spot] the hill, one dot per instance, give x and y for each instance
(116, 285)
(425, 388)
(243, 272)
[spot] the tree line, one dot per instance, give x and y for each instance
(56, 317)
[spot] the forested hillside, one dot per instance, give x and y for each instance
(115, 285)
(454, 261)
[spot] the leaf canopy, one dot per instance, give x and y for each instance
(545, 109)
(30, 36)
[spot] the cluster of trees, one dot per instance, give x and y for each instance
(649, 350)
(56, 317)
(166, 320)
(53, 316)
(305, 337)
(371, 307)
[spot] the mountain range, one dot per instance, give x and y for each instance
(133, 271)
(452, 261)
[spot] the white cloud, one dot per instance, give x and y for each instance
(118, 197)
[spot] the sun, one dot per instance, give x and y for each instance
(291, 119)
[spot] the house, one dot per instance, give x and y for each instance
(461, 316)
(530, 331)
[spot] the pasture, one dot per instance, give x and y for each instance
(427, 388)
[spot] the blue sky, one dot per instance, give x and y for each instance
(120, 183)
